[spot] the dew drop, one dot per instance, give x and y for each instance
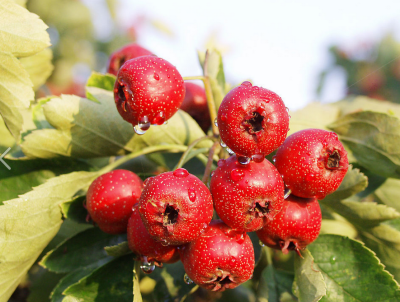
(212, 173)
(133, 209)
(159, 119)
(229, 151)
(147, 267)
(274, 158)
(142, 126)
(258, 158)
(156, 76)
(240, 238)
(261, 243)
(255, 88)
(247, 84)
(224, 117)
(187, 279)
(237, 174)
(310, 177)
(216, 122)
(332, 260)
(164, 242)
(287, 193)
(181, 172)
(287, 109)
(166, 122)
(223, 145)
(243, 160)
(192, 194)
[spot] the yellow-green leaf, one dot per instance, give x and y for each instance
(39, 67)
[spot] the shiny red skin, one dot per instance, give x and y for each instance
(219, 254)
(195, 103)
(175, 190)
(148, 88)
(110, 199)
(239, 107)
(119, 57)
(294, 227)
(145, 247)
(303, 162)
(236, 189)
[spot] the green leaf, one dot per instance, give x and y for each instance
(102, 81)
(373, 139)
(137, 296)
(215, 72)
(238, 294)
(28, 223)
(12, 187)
(39, 67)
(74, 209)
(353, 182)
(79, 251)
(15, 90)
(22, 33)
(118, 250)
(42, 283)
(308, 285)
(273, 284)
(7, 140)
(314, 115)
(389, 193)
(338, 227)
(111, 282)
(351, 271)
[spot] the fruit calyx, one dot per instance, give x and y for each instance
(170, 217)
(259, 209)
(333, 160)
(222, 280)
(290, 245)
(253, 122)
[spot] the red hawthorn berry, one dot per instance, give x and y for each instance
(110, 199)
(246, 196)
(148, 91)
(219, 259)
(119, 57)
(252, 120)
(294, 227)
(312, 162)
(195, 104)
(175, 207)
(145, 247)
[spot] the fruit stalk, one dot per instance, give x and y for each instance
(207, 171)
(182, 160)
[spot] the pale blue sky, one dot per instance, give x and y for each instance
(279, 45)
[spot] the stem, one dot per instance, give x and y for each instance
(209, 163)
(189, 148)
(112, 166)
(210, 98)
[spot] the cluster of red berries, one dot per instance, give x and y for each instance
(169, 216)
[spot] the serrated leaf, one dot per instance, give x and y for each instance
(28, 223)
(111, 282)
(273, 283)
(314, 115)
(354, 181)
(12, 187)
(389, 193)
(118, 250)
(215, 72)
(351, 271)
(22, 33)
(39, 67)
(15, 91)
(74, 209)
(373, 139)
(80, 251)
(308, 285)
(72, 278)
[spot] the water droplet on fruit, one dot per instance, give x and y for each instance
(187, 279)
(147, 267)
(237, 174)
(192, 194)
(232, 262)
(261, 243)
(138, 130)
(159, 119)
(332, 260)
(243, 160)
(274, 158)
(255, 88)
(223, 145)
(247, 83)
(240, 238)
(146, 181)
(164, 242)
(156, 76)
(287, 193)
(181, 172)
(216, 122)
(310, 177)
(166, 122)
(258, 158)
(287, 109)
(221, 162)
(142, 126)
(224, 117)
(133, 209)
(229, 151)
(212, 173)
